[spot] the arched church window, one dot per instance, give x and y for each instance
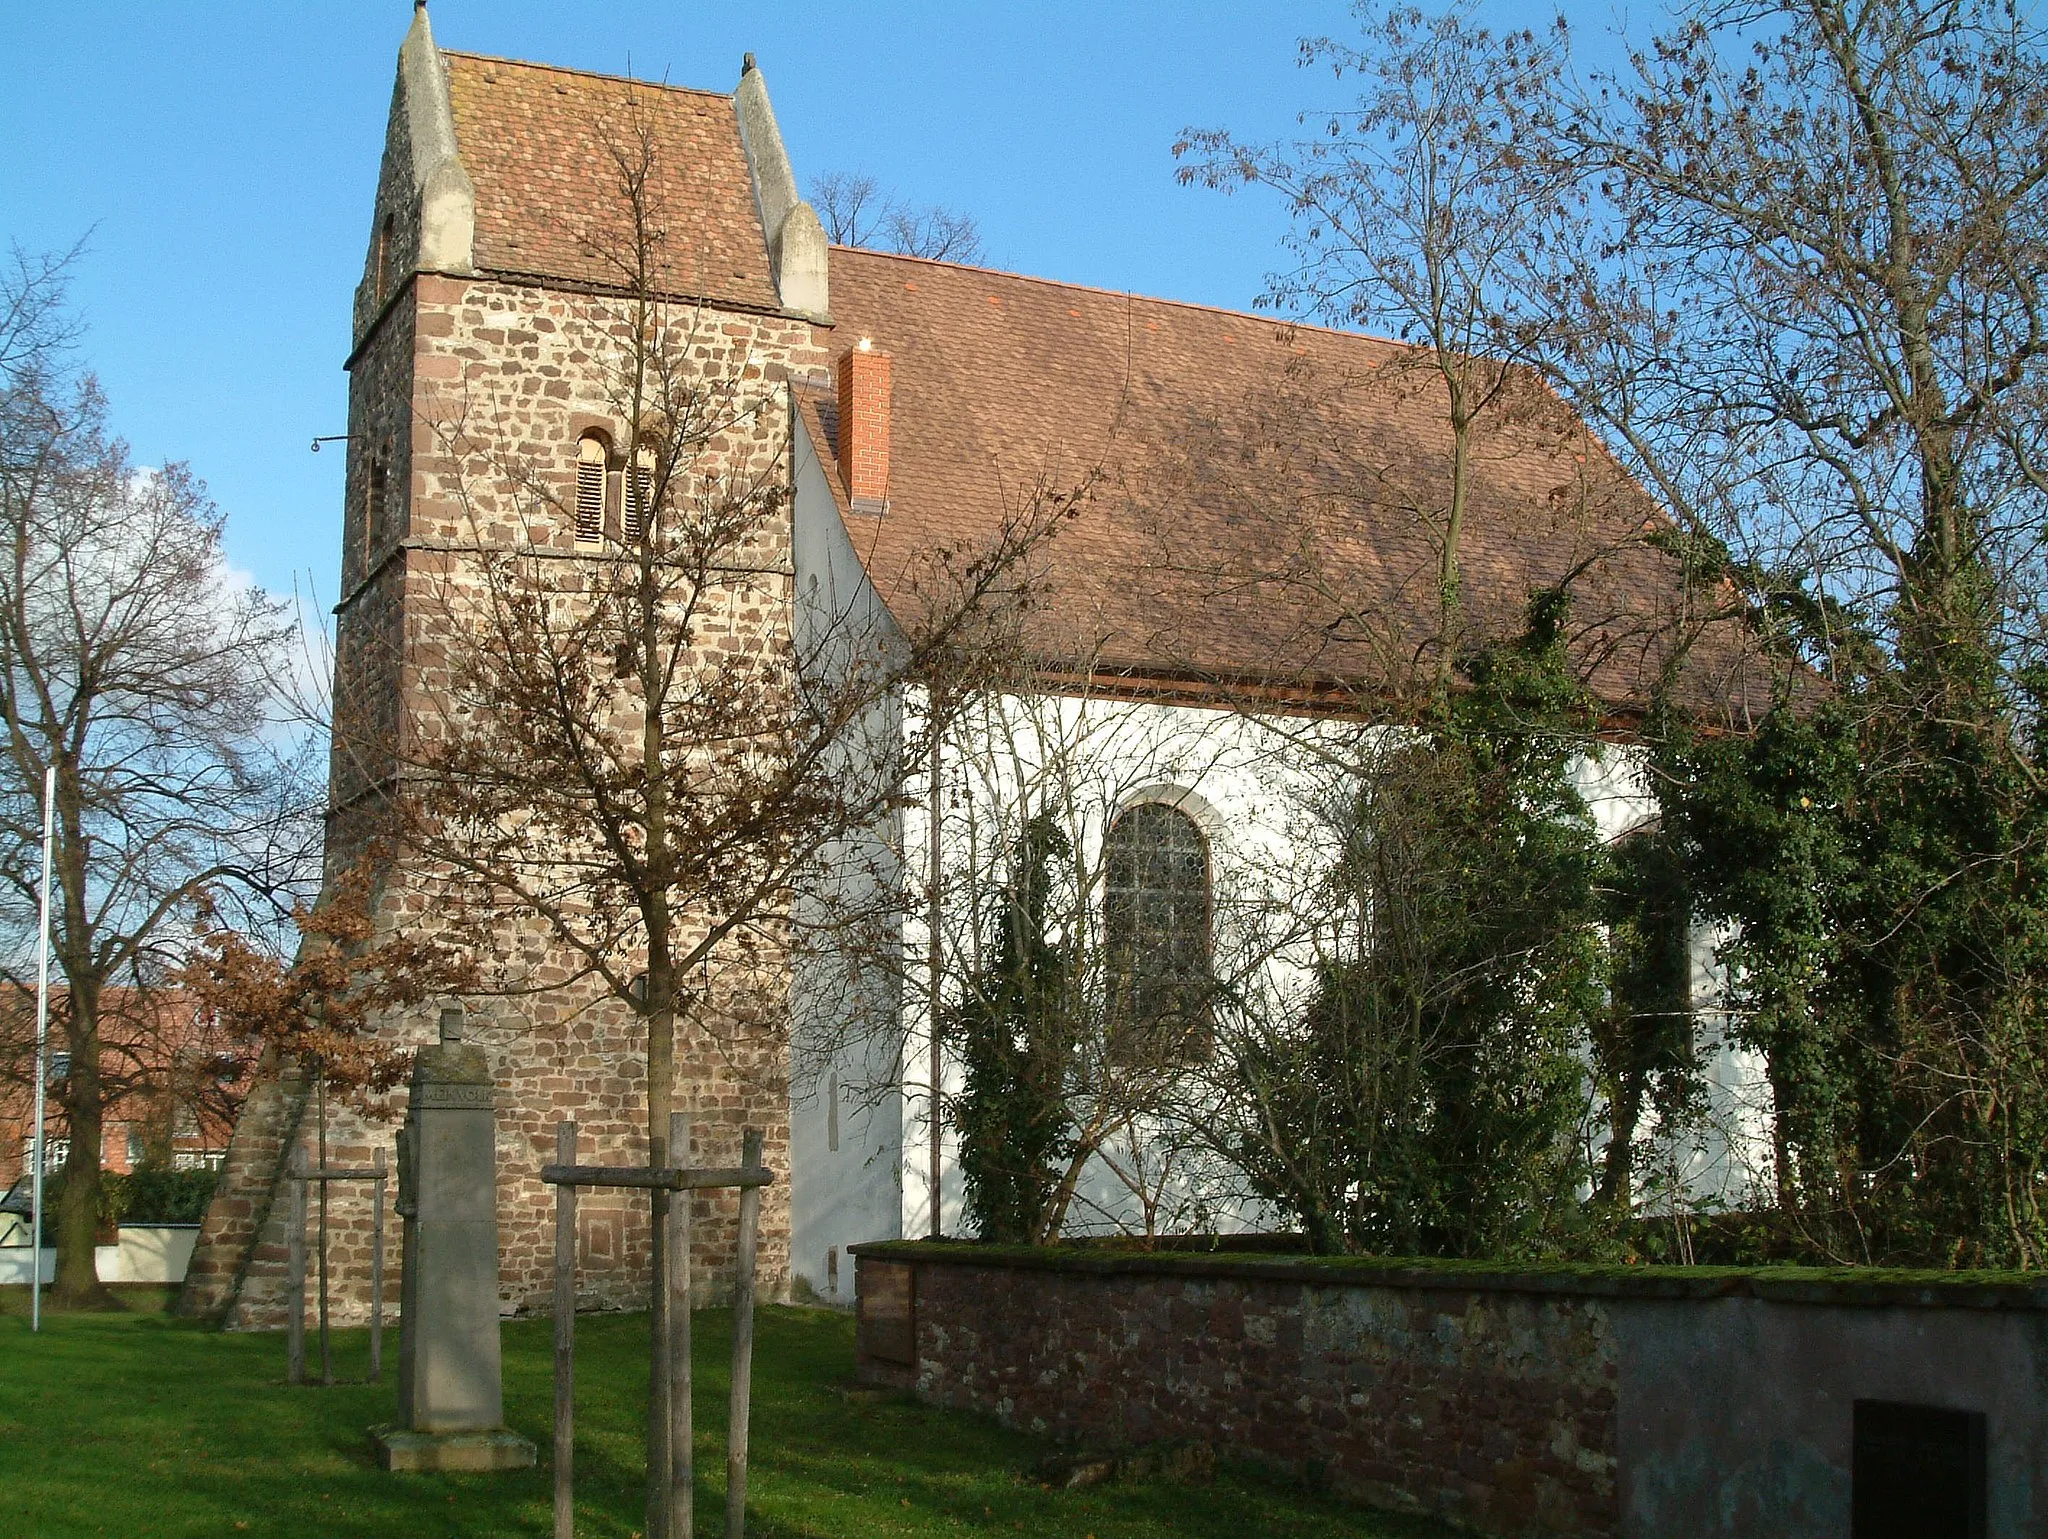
(1649, 933)
(591, 455)
(1648, 1041)
(1156, 915)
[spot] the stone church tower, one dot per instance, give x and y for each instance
(481, 333)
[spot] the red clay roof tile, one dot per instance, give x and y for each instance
(1266, 490)
(538, 143)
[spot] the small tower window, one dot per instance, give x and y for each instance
(591, 455)
(639, 494)
(374, 479)
(380, 274)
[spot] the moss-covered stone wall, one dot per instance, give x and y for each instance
(1584, 1400)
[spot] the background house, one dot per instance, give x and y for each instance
(179, 1082)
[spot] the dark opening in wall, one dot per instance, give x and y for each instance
(380, 264)
(1919, 1472)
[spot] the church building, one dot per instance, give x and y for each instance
(1256, 543)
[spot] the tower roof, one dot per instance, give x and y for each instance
(542, 144)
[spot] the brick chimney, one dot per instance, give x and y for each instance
(864, 426)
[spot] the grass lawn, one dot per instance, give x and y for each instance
(136, 1424)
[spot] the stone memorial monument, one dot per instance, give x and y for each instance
(450, 1389)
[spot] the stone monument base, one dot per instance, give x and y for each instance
(468, 1452)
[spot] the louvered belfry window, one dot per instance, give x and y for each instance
(1156, 905)
(590, 465)
(639, 489)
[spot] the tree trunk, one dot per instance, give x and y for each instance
(1617, 1175)
(78, 1210)
(1449, 581)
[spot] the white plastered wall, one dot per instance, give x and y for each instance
(1084, 761)
(846, 1107)
(860, 1142)
(1724, 1158)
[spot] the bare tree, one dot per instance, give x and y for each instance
(646, 749)
(134, 665)
(170, 1069)
(1813, 322)
(851, 206)
(857, 212)
(1417, 213)
(1836, 215)
(1071, 1015)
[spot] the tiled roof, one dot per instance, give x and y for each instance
(538, 141)
(1256, 512)
(1264, 492)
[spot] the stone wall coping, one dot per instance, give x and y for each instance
(1852, 1286)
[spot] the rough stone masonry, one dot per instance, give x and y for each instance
(1639, 1403)
(485, 337)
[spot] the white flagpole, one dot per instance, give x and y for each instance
(35, 1236)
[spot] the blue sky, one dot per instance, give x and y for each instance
(222, 157)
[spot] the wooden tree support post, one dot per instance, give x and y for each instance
(742, 1348)
(301, 1179)
(326, 1343)
(295, 1271)
(671, 1461)
(565, 1337)
(682, 1505)
(660, 1369)
(378, 1181)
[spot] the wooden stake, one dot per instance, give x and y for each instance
(671, 1463)
(326, 1349)
(742, 1348)
(683, 1501)
(377, 1267)
(565, 1338)
(295, 1270)
(660, 1390)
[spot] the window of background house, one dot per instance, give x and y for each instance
(1156, 912)
(591, 455)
